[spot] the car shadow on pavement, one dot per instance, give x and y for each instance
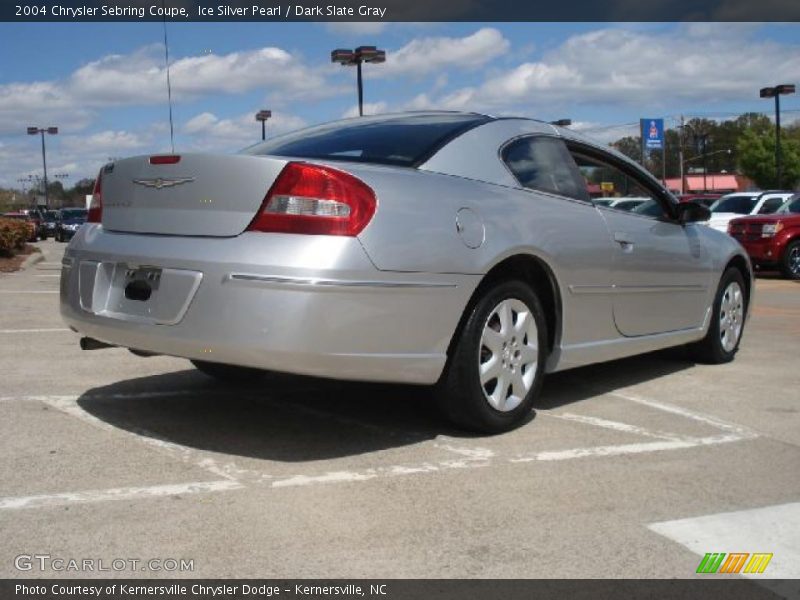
(295, 419)
(585, 383)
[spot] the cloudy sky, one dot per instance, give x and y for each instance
(104, 85)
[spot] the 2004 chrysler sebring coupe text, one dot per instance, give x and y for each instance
(453, 249)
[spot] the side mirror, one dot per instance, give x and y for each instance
(692, 212)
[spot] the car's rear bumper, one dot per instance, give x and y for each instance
(311, 305)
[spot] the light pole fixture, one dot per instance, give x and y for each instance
(263, 116)
(776, 92)
(362, 54)
(562, 122)
(42, 131)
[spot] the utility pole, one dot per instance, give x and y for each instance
(680, 154)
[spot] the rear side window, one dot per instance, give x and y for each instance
(771, 205)
(544, 164)
(404, 141)
(741, 205)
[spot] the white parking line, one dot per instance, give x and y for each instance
(125, 493)
(45, 330)
(613, 425)
(620, 449)
(469, 457)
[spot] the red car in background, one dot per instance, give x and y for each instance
(772, 241)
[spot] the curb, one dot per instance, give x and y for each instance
(31, 260)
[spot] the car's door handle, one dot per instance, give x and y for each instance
(623, 238)
(625, 241)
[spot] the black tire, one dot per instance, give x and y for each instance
(790, 261)
(228, 373)
(711, 349)
(460, 394)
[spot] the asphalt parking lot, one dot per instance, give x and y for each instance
(629, 469)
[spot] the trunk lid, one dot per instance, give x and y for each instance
(200, 195)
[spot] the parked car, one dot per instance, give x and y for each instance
(69, 221)
(620, 203)
(33, 229)
(49, 222)
(772, 241)
(455, 250)
(37, 216)
(704, 199)
(731, 206)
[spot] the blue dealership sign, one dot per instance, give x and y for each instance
(652, 133)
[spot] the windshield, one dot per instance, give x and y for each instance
(741, 205)
(51, 215)
(402, 141)
(73, 213)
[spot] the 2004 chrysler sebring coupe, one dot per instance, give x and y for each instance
(454, 249)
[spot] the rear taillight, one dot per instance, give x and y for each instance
(314, 199)
(96, 205)
(165, 159)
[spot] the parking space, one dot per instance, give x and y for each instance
(109, 455)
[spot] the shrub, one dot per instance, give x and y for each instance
(13, 235)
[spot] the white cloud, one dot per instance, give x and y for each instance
(427, 55)
(618, 66)
(208, 132)
(139, 78)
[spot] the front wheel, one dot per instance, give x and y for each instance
(496, 367)
(727, 321)
(790, 263)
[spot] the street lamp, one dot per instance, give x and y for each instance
(362, 54)
(42, 131)
(776, 92)
(562, 122)
(262, 116)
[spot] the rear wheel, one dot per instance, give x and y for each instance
(228, 373)
(497, 364)
(727, 321)
(790, 263)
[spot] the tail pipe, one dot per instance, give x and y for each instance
(88, 343)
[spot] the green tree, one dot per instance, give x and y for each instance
(757, 159)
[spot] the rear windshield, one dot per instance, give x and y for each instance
(403, 141)
(73, 213)
(741, 205)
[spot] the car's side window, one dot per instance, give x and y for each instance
(611, 187)
(543, 164)
(771, 205)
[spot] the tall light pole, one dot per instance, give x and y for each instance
(362, 54)
(263, 116)
(776, 92)
(42, 131)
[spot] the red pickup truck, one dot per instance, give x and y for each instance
(772, 240)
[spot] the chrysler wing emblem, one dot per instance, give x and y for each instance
(159, 182)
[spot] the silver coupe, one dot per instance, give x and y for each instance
(456, 250)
